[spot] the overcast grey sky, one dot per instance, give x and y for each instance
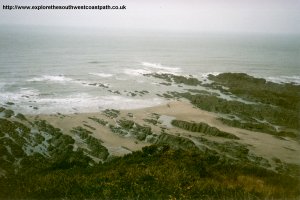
(271, 16)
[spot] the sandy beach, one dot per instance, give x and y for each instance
(261, 144)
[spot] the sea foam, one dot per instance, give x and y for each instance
(136, 72)
(161, 68)
(50, 78)
(103, 75)
(149, 68)
(29, 101)
(284, 79)
(23, 94)
(85, 103)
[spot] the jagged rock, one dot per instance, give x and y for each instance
(176, 142)
(8, 113)
(95, 147)
(202, 128)
(111, 113)
(125, 127)
(99, 121)
(259, 115)
(21, 116)
(176, 79)
(259, 90)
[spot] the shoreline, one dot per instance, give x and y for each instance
(251, 135)
(261, 144)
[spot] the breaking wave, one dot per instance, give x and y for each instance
(284, 79)
(49, 78)
(103, 75)
(161, 68)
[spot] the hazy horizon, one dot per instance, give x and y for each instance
(231, 16)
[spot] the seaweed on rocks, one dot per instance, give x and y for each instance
(95, 147)
(173, 168)
(176, 79)
(202, 128)
(136, 92)
(232, 151)
(176, 142)
(129, 127)
(82, 132)
(262, 117)
(204, 92)
(272, 108)
(90, 127)
(111, 113)
(98, 85)
(21, 117)
(99, 121)
(259, 90)
(258, 126)
(166, 84)
(151, 121)
(29, 145)
(176, 167)
(126, 124)
(114, 91)
(7, 113)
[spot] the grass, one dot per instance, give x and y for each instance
(157, 172)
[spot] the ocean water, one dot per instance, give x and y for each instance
(47, 70)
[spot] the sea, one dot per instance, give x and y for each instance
(47, 70)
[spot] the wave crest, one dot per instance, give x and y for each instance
(103, 75)
(50, 78)
(163, 69)
(284, 79)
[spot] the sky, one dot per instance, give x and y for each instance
(252, 16)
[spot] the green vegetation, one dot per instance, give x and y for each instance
(176, 142)
(157, 172)
(229, 151)
(94, 145)
(39, 161)
(202, 128)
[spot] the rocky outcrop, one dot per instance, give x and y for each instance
(176, 142)
(202, 128)
(94, 145)
(263, 117)
(176, 79)
(259, 90)
(23, 144)
(111, 113)
(131, 128)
